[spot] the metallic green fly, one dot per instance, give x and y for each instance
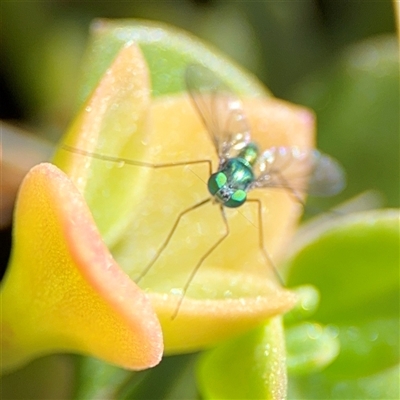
(242, 166)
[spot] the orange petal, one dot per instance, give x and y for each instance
(63, 291)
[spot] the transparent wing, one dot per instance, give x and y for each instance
(299, 170)
(221, 111)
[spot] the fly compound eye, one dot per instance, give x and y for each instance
(216, 182)
(237, 199)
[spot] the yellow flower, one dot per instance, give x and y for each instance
(136, 206)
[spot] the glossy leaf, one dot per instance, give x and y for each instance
(354, 263)
(251, 366)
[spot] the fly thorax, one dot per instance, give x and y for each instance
(229, 185)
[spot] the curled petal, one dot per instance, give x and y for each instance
(63, 291)
(111, 122)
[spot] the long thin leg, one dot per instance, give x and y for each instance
(200, 262)
(105, 157)
(261, 239)
(168, 238)
(153, 166)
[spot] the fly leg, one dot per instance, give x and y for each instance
(168, 238)
(200, 262)
(152, 166)
(266, 254)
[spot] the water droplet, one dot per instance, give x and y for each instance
(353, 333)
(333, 330)
(314, 331)
(374, 336)
(176, 291)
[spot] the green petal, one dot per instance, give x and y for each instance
(168, 51)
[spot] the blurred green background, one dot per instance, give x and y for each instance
(338, 57)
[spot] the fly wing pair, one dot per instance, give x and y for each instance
(303, 170)
(220, 110)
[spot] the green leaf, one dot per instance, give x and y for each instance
(251, 366)
(367, 347)
(383, 385)
(97, 379)
(357, 104)
(49, 377)
(354, 263)
(174, 377)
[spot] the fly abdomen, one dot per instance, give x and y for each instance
(249, 153)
